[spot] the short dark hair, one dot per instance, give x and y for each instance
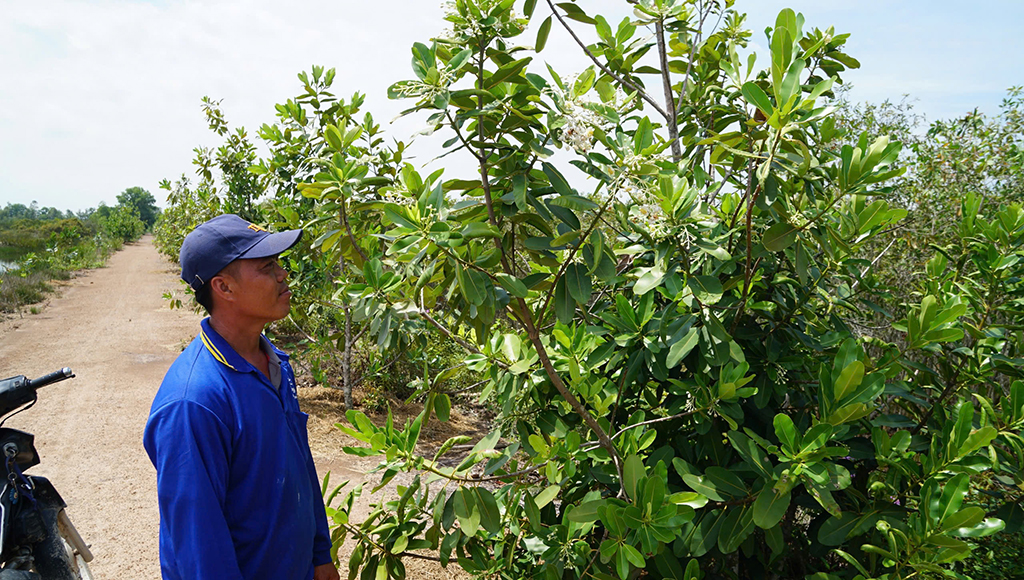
(204, 296)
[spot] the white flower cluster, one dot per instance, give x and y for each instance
(649, 217)
(580, 122)
(426, 90)
(578, 130)
(798, 220)
(397, 194)
(636, 191)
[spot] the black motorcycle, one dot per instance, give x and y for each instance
(37, 540)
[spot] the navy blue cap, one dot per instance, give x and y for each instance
(224, 239)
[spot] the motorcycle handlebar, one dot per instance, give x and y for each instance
(54, 377)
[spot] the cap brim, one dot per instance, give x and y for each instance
(272, 245)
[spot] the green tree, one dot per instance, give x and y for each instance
(187, 207)
(123, 223)
(241, 187)
(142, 202)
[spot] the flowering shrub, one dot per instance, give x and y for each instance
(682, 387)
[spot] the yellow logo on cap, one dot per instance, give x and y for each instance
(256, 228)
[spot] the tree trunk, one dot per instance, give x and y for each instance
(346, 356)
(346, 360)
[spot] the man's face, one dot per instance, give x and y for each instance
(262, 288)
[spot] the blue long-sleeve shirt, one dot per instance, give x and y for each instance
(238, 491)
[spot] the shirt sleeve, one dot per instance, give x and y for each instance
(190, 448)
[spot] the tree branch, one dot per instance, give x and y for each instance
(666, 80)
(606, 70)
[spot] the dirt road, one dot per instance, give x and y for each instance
(112, 327)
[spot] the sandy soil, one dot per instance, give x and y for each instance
(114, 329)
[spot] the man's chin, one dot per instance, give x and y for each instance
(285, 308)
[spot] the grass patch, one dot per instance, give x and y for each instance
(17, 291)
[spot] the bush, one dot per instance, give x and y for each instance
(122, 223)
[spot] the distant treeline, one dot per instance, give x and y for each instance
(13, 212)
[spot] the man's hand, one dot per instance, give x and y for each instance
(326, 572)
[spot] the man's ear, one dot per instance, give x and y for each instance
(222, 288)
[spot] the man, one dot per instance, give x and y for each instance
(239, 495)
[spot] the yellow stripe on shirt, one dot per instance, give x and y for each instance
(213, 350)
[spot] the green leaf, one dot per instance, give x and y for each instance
(978, 439)
(557, 180)
(968, 517)
(467, 511)
(769, 507)
(566, 238)
(704, 535)
(519, 182)
(565, 306)
(473, 284)
(986, 528)
(751, 453)
(480, 230)
(725, 481)
(490, 516)
(849, 379)
(693, 570)
(586, 512)
(707, 289)
(513, 285)
(578, 283)
(633, 555)
(755, 96)
(649, 280)
(575, 202)
(644, 136)
(632, 470)
(443, 406)
(737, 526)
(790, 84)
(576, 13)
(681, 348)
(542, 34)
(333, 136)
(786, 433)
(460, 59)
(506, 72)
(952, 498)
(399, 215)
(584, 82)
(835, 529)
(400, 545)
(546, 495)
(779, 237)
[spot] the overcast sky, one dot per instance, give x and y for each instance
(100, 95)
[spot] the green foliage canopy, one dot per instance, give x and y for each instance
(142, 203)
(682, 385)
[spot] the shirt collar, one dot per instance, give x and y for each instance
(224, 353)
